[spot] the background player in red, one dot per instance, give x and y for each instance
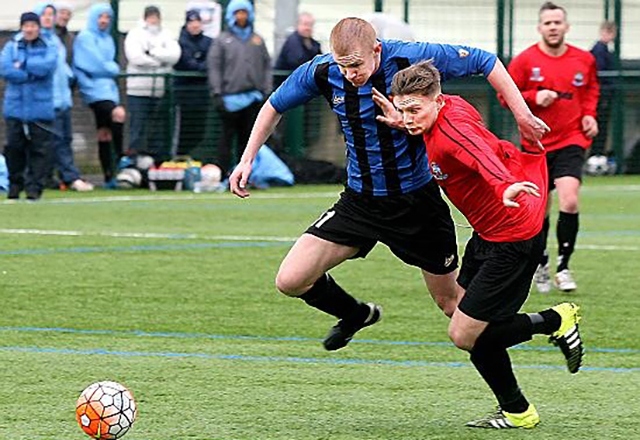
(559, 83)
(502, 193)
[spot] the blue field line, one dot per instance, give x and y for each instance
(289, 359)
(144, 248)
(184, 335)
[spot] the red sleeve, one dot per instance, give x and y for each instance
(592, 92)
(470, 148)
(520, 73)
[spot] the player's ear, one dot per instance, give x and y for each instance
(377, 48)
(440, 99)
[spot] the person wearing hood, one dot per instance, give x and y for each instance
(27, 65)
(61, 154)
(151, 53)
(191, 92)
(240, 78)
(64, 12)
(96, 70)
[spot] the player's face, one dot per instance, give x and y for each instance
(103, 21)
(419, 112)
(552, 27)
(358, 64)
(47, 18)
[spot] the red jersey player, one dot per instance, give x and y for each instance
(502, 193)
(559, 83)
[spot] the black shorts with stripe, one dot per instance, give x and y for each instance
(102, 110)
(497, 276)
(565, 162)
(417, 227)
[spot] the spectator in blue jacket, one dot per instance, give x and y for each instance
(300, 46)
(191, 92)
(94, 65)
(61, 155)
(28, 64)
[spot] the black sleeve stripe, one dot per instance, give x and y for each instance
(321, 77)
(456, 141)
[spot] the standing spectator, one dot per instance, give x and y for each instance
(559, 83)
(300, 46)
(191, 92)
(64, 12)
(28, 63)
(151, 53)
(94, 53)
(61, 154)
(605, 61)
(239, 77)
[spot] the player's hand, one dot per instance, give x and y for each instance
(589, 126)
(391, 116)
(239, 178)
(533, 129)
(509, 195)
(544, 98)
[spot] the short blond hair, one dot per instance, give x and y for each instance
(351, 33)
(419, 79)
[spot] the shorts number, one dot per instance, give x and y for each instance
(324, 218)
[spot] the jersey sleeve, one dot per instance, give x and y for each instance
(452, 61)
(592, 91)
(299, 88)
(465, 143)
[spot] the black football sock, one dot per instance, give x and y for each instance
(495, 368)
(106, 159)
(505, 334)
(545, 322)
(327, 296)
(567, 232)
(545, 233)
(117, 135)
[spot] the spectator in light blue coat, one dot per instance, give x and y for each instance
(27, 65)
(61, 155)
(96, 69)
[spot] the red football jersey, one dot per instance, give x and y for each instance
(573, 75)
(474, 167)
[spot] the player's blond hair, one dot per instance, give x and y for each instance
(352, 33)
(419, 79)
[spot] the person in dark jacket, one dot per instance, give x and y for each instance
(191, 92)
(605, 61)
(28, 63)
(240, 77)
(64, 12)
(300, 46)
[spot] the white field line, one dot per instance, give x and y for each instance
(165, 236)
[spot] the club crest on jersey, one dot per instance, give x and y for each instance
(578, 80)
(536, 75)
(463, 53)
(437, 172)
(337, 100)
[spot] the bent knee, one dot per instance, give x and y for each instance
(461, 339)
(289, 284)
(104, 135)
(118, 114)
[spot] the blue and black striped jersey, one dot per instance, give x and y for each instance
(381, 161)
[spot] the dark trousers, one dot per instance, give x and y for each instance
(192, 109)
(28, 146)
(62, 151)
(604, 113)
(235, 125)
(147, 127)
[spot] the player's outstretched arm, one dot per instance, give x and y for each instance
(531, 127)
(510, 194)
(265, 123)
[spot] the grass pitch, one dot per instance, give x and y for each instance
(172, 295)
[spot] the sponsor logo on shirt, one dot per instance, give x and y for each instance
(578, 80)
(536, 75)
(437, 172)
(337, 100)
